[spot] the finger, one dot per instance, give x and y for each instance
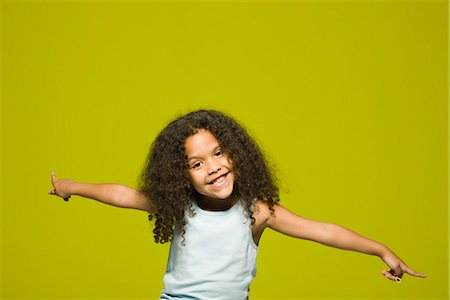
(397, 271)
(411, 272)
(388, 275)
(391, 276)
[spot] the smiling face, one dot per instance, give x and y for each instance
(209, 167)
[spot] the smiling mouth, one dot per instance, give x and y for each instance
(219, 180)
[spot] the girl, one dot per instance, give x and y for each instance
(212, 195)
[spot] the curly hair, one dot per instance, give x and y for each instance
(165, 178)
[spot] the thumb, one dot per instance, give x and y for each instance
(53, 178)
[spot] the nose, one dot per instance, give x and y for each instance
(213, 167)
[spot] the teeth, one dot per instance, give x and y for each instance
(218, 180)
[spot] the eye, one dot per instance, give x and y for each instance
(218, 153)
(196, 165)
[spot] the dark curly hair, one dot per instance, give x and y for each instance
(165, 178)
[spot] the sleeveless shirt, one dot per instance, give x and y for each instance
(215, 260)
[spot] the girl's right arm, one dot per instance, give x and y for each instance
(109, 193)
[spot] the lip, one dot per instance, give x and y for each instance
(225, 176)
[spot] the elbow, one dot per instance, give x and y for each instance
(120, 196)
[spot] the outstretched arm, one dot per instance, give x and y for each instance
(109, 193)
(288, 223)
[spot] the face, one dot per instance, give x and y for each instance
(209, 167)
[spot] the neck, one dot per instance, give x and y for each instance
(212, 204)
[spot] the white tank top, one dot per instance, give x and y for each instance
(218, 260)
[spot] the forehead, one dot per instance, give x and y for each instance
(203, 141)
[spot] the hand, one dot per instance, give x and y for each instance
(60, 187)
(398, 268)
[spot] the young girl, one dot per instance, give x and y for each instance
(210, 190)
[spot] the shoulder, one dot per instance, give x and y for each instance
(273, 217)
(287, 222)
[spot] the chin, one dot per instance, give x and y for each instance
(225, 195)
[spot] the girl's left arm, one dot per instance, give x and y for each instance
(288, 223)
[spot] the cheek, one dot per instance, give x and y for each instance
(228, 162)
(194, 178)
(232, 178)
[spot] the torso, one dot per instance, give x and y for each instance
(261, 213)
(217, 257)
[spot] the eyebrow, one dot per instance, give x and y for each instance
(217, 146)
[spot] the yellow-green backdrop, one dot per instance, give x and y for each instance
(348, 99)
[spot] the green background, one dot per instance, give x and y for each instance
(348, 99)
